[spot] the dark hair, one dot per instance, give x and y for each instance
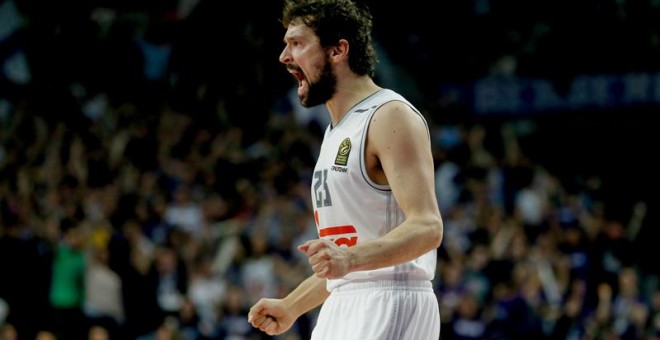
(333, 20)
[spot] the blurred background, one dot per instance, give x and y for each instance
(155, 165)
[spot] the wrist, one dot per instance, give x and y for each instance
(353, 260)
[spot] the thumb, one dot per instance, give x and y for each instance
(303, 247)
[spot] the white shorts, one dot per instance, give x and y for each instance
(380, 310)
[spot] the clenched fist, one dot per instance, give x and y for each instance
(328, 260)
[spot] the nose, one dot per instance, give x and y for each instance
(285, 57)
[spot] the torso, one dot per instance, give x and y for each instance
(352, 201)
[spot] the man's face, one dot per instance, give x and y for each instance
(308, 62)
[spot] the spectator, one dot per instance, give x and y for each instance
(67, 292)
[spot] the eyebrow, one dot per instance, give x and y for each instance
(293, 36)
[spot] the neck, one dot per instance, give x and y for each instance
(349, 92)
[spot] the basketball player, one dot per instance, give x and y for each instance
(373, 194)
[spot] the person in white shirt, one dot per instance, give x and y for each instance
(373, 189)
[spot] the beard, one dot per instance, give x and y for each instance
(321, 90)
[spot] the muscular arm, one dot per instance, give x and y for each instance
(399, 153)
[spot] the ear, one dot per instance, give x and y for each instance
(339, 51)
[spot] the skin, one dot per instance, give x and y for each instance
(398, 153)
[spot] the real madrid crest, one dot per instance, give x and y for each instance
(343, 152)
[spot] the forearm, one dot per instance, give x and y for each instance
(308, 295)
(411, 239)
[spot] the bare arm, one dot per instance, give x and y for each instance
(276, 316)
(398, 138)
(308, 295)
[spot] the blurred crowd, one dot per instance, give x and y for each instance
(154, 183)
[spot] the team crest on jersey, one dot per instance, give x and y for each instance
(343, 152)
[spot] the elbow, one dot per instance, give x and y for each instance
(436, 233)
(439, 236)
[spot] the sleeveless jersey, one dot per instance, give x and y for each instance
(349, 208)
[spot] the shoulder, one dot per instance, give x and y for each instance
(398, 112)
(391, 102)
(396, 128)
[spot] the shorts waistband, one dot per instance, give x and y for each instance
(410, 285)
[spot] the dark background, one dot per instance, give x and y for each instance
(150, 54)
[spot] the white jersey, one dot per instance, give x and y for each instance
(349, 208)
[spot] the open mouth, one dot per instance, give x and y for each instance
(300, 77)
(298, 74)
